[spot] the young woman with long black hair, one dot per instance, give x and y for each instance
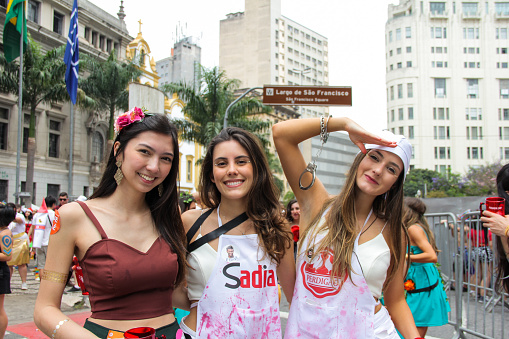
(128, 237)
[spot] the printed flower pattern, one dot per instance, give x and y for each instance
(409, 285)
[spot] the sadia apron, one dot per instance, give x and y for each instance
(326, 309)
(241, 296)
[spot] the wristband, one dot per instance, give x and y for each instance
(506, 231)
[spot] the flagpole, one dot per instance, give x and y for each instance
(20, 112)
(71, 148)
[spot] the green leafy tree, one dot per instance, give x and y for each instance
(416, 179)
(206, 105)
(43, 81)
(481, 181)
(107, 85)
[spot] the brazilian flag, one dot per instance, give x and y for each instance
(15, 23)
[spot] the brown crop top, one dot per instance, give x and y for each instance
(125, 283)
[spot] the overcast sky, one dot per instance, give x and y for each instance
(355, 30)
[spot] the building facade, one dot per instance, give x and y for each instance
(99, 34)
(183, 65)
(447, 81)
(260, 47)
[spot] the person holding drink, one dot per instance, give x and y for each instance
(498, 222)
(128, 237)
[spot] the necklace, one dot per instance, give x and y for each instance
(367, 228)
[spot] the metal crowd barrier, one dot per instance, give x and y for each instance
(469, 276)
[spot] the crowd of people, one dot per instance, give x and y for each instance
(212, 264)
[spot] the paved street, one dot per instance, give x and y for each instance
(20, 306)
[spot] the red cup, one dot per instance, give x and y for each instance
(140, 333)
(295, 231)
(494, 204)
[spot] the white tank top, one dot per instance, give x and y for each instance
(375, 258)
(202, 262)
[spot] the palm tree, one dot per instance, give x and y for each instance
(205, 108)
(43, 81)
(107, 85)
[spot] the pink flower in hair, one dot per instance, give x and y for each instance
(127, 118)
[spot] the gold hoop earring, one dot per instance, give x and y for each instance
(118, 174)
(160, 190)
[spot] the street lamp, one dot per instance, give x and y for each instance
(302, 72)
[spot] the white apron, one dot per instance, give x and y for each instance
(324, 309)
(241, 297)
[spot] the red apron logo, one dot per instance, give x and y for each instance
(316, 274)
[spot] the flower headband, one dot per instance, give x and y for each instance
(127, 118)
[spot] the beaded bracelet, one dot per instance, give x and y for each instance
(506, 231)
(57, 327)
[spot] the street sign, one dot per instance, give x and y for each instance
(307, 95)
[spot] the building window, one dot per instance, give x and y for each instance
(54, 138)
(58, 22)
(440, 113)
(4, 124)
(441, 132)
(97, 147)
(440, 91)
(33, 11)
(411, 132)
(501, 33)
(400, 65)
(398, 50)
(437, 7)
(390, 36)
(469, 8)
(53, 190)
(189, 168)
(503, 114)
(409, 49)
(392, 115)
(473, 113)
(398, 34)
(400, 91)
(401, 131)
(470, 33)
(4, 184)
(410, 113)
(505, 154)
(438, 32)
(392, 92)
(503, 133)
(502, 8)
(410, 90)
(408, 32)
(504, 88)
(472, 88)
(400, 114)
(26, 128)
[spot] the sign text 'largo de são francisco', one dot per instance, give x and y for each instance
(307, 95)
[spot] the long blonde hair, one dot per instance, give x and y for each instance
(340, 226)
(414, 214)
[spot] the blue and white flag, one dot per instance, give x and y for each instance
(72, 55)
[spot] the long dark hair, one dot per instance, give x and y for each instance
(503, 263)
(414, 214)
(341, 223)
(289, 210)
(263, 207)
(7, 214)
(164, 209)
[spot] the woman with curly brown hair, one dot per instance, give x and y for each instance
(239, 246)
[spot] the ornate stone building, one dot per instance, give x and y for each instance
(99, 34)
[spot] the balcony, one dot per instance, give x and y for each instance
(502, 15)
(471, 15)
(439, 15)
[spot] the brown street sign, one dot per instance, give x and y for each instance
(307, 95)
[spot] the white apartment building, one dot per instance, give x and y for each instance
(260, 46)
(447, 81)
